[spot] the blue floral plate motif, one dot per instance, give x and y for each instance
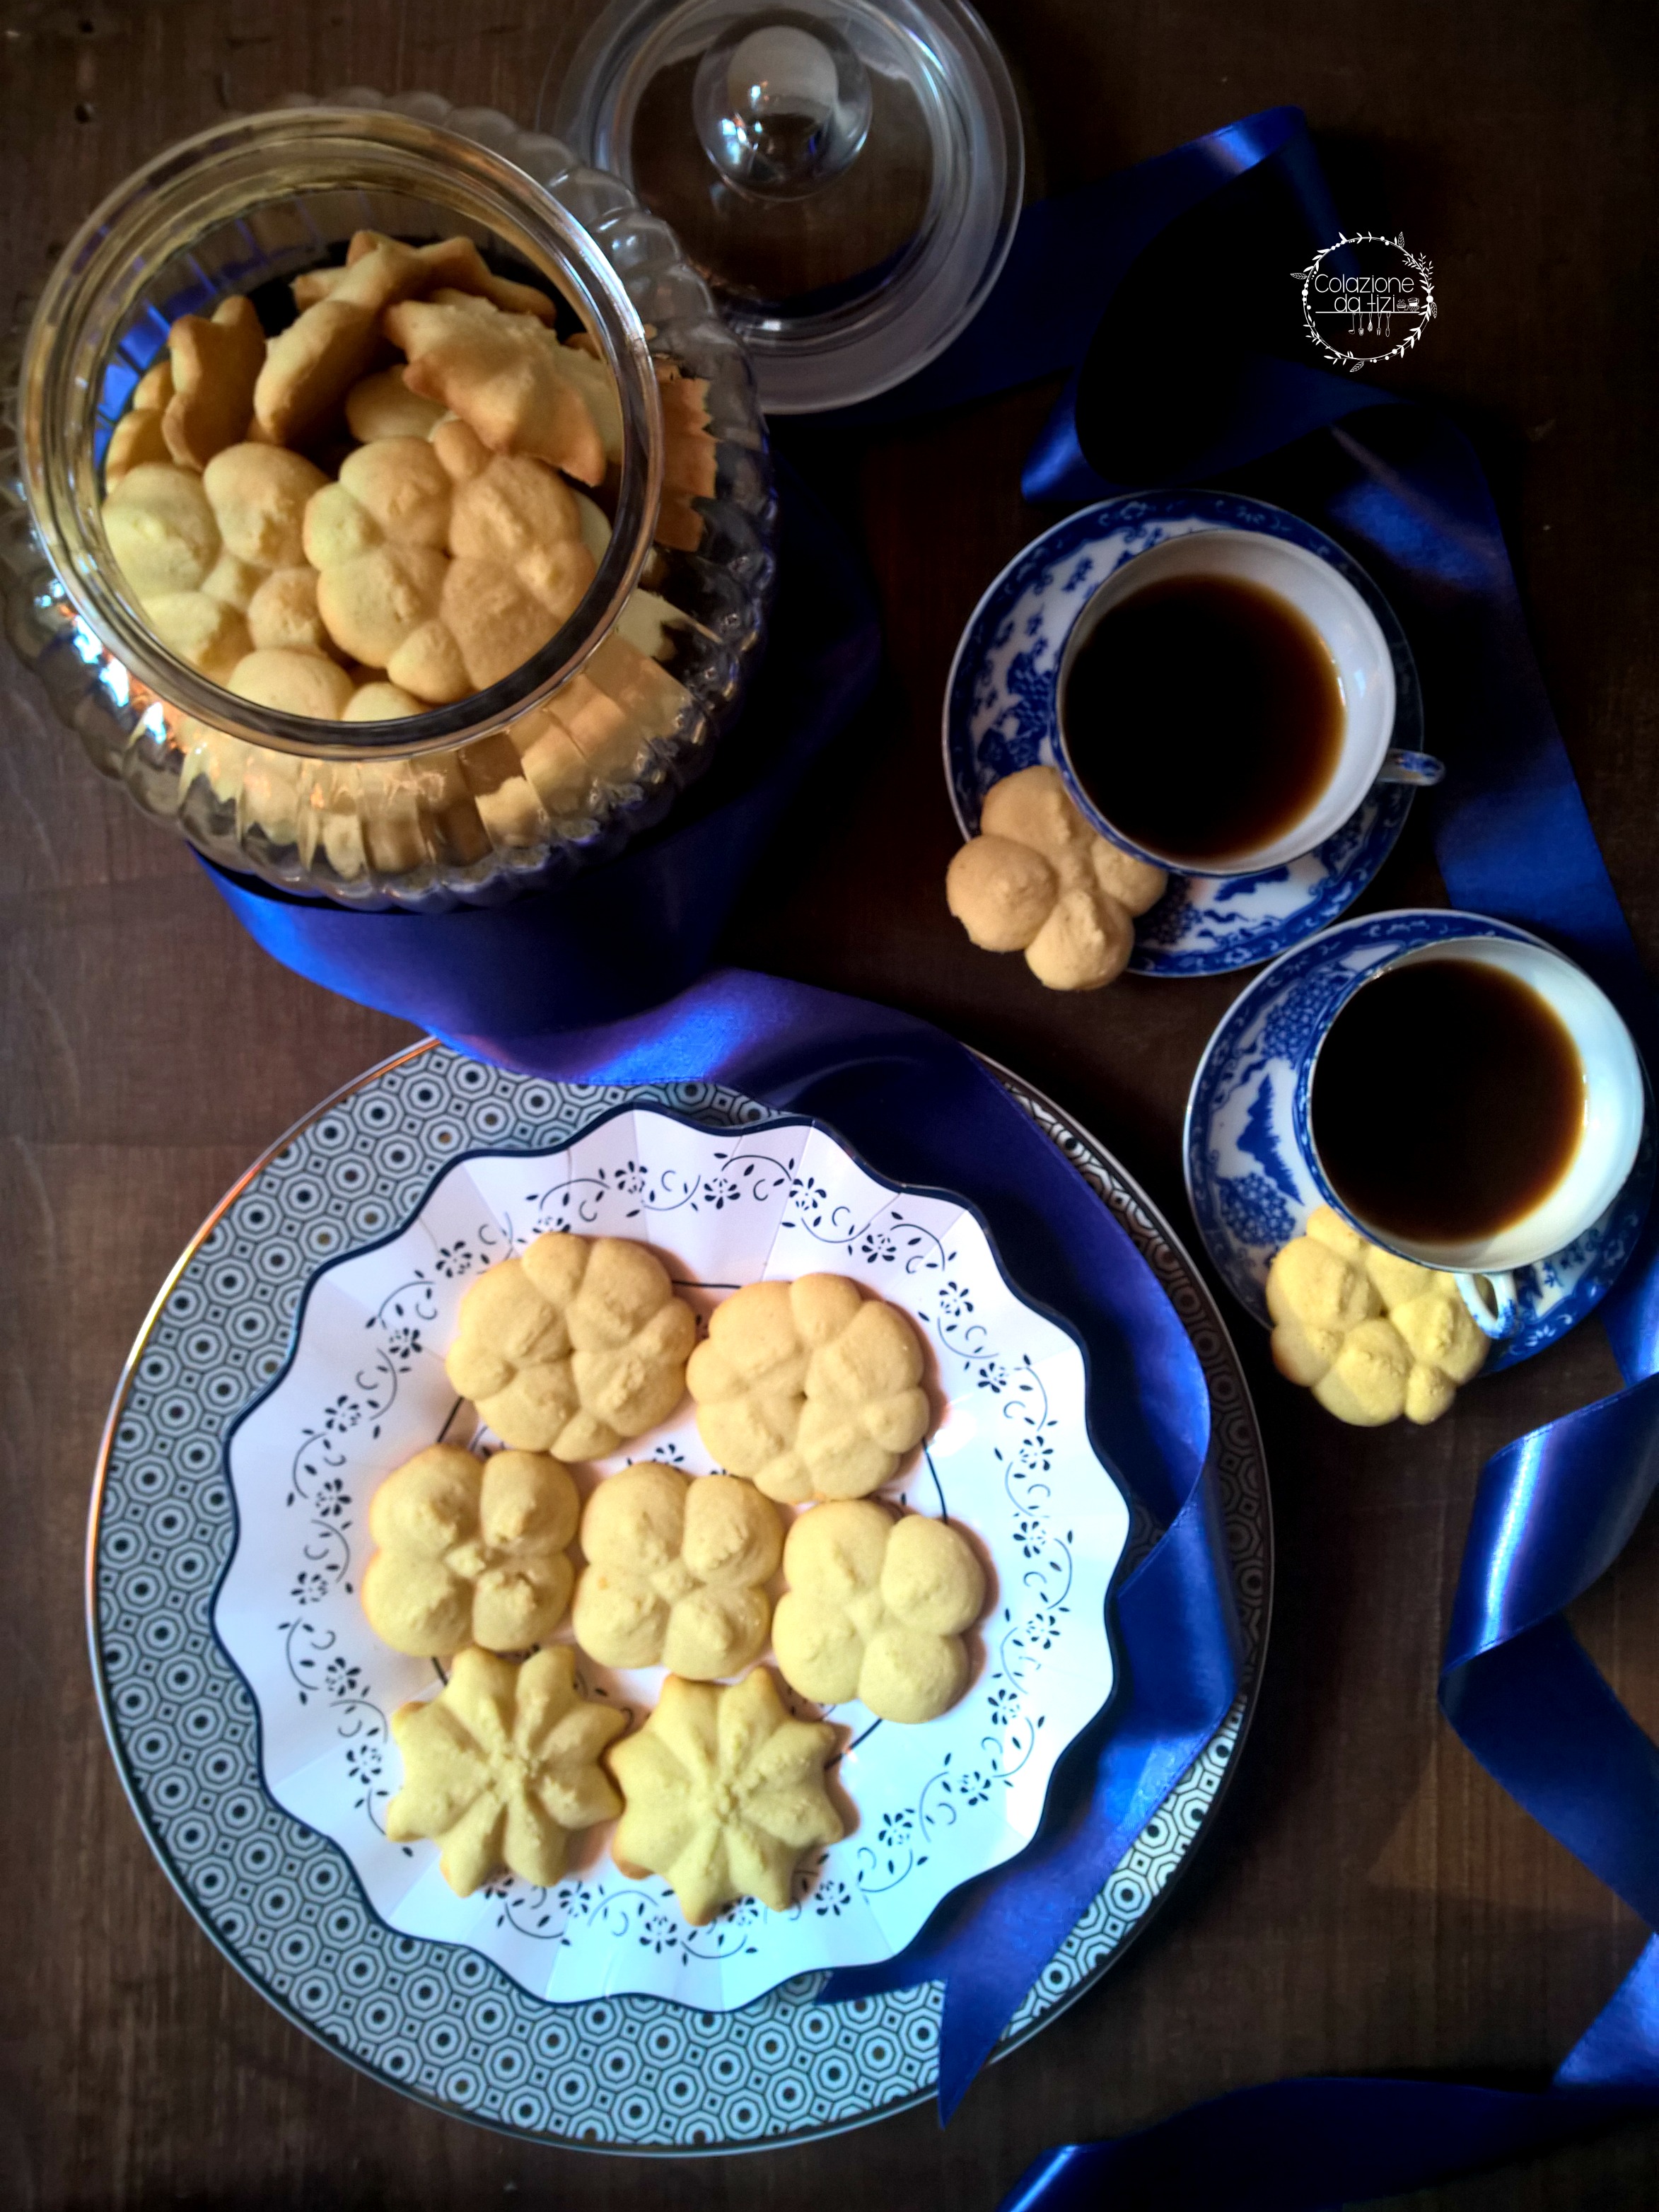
(1249, 1191)
(447, 2025)
(999, 717)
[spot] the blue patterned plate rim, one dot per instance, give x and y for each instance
(1350, 857)
(1608, 1248)
(834, 2046)
(772, 1122)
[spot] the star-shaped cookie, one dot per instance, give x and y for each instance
(723, 1793)
(502, 1768)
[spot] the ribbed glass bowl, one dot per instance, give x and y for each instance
(393, 815)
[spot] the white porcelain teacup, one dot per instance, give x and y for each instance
(1601, 1161)
(1350, 633)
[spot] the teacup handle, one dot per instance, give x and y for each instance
(1496, 1319)
(1400, 766)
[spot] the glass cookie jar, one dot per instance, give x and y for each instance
(464, 804)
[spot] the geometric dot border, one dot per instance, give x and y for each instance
(634, 2073)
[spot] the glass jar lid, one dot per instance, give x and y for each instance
(847, 175)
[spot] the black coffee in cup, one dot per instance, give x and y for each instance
(1447, 1101)
(1203, 717)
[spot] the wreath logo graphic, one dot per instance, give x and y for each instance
(1376, 312)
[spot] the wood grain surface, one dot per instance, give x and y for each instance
(1368, 1898)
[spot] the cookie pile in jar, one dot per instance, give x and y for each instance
(385, 507)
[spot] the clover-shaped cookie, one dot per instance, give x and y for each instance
(502, 1768)
(1372, 1335)
(809, 1389)
(675, 1572)
(876, 1609)
(723, 1792)
(1038, 880)
(470, 1552)
(575, 1346)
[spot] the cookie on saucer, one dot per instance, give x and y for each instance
(1038, 879)
(1373, 1336)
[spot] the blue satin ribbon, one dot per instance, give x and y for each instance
(1405, 492)
(989, 1942)
(1553, 1511)
(920, 1109)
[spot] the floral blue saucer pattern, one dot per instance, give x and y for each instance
(437, 2019)
(1250, 1190)
(999, 717)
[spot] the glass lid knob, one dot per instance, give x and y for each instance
(781, 109)
(846, 174)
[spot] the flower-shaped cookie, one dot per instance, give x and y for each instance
(1038, 880)
(876, 1610)
(470, 1552)
(1373, 1336)
(196, 548)
(809, 1389)
(675, 1572)
(723, 1793)
(389, 592)
(502, 1768)
(575, 1346)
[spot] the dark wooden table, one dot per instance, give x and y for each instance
(1369, 1899)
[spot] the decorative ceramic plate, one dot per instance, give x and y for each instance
(439, 2019)
(1250, 1190)
(1000, 716)
(1007, 1458)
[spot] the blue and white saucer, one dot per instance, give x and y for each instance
(1250, 1190)
(1000, 716)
